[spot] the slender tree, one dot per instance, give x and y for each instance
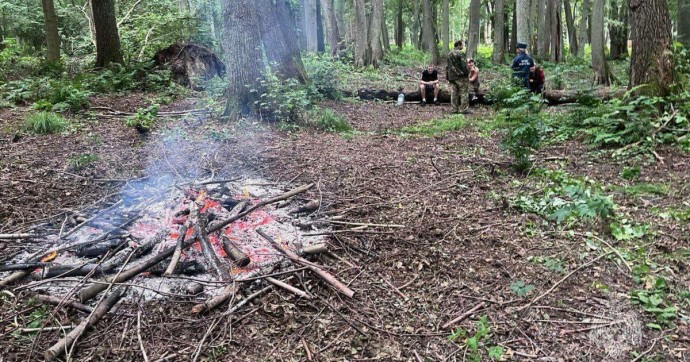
(415, 24)
(428, 31)
(544, 29)
(684, 22)
(583, 37)
(556, 31)
(473, 32)
(242, 45)
(522, 13)
(51, 28)
(334, 40)
(513, 32)
(570, 23)
(499, 56)
(445, 26)
(618, 29)
(602, 74)
(650, 60)
(310, 30)
(399, 25)
(361, 29)
(107, 38)
(375, 43)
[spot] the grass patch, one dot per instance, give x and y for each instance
(437, 126)
(44, 123)
(329, 121)
(80, 161)
(646, 189)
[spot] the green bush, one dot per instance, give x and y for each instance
(406, 57)
(144, 119)
(44, 123)
(525, 127)
(323, 74)
(280, 100)
(329, 121)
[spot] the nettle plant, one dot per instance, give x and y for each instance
(521, 115)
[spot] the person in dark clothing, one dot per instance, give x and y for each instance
(536, 79)
(521, 64)
(429, 84)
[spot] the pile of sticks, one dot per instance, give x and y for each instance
(109, 271)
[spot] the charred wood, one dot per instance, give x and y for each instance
(238, 256)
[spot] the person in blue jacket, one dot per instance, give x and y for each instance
(521, 65)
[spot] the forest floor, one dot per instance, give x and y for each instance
(538, 291)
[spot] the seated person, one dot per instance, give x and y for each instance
(536, 79)
(429, 83)
(474, 76)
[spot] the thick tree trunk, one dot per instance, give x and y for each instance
(570, 23)
(281, 57)
(583, 37)
(242, 45)
(445, 27)
(51, 28)
(544, 30)
(499, 55)
(618, 29)
(334, 40)
(309, 29)
(650, 61)
(556, 31)
(473, 32)
(320, 37)
(602, 75)
(522, 12)
(399, 25)
(107, 38)
(362, 54)
(375, 33)
(684, 22)
(428, 28)
(415, 25)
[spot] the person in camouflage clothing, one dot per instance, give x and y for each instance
(457, 75)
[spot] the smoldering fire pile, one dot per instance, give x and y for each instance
(221, 233)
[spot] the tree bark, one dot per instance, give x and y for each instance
(107, 38)
(362, 54)
(473, 32)
(618, 29)
(513, 32)
(684, 23)
(570, 23)
(650, 61)
(499, 55)
(282, 58)
(583, 38)
(309, 29)
(522, 12)
(415, 25)
(334, 39)
(445, 26)
(320, 38)
(399, 25)
(51, 28)
(556, 31)
(384, 33)
(428, 29)
(544, 29)
(241, 42)
(602, 75)
(375, 33)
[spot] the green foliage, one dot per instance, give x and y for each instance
(520, 288)
(568, 200)
(280, 100)
(478, 341)
(327, 120)
(652, 301)
(79, 161)
(144, 119)
(630, 173)
(437, 126)
(323, 74)
(525, 127)
(408, 56)
(44, 123)
(626, 231)
(646, 189)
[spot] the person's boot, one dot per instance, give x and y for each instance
(423, 102)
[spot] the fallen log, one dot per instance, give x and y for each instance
(211, 303)
(553, 96)
(209, 253)
(101, 309)
(238, 256)
(326, 276)
(23, 266)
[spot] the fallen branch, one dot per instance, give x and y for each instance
(63, 302)
(178, 251)
(44, 329)
(23, 266)
(326, 276)
(16, 236)
(238, 257)
(227, 293)
(288, 287)
(464, 316)
(101, 309)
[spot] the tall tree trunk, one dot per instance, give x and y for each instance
(473, 31)
(51, 28)
(570, 23)
(361, 30)
(544, 27)
(514, 31)
(320, 38)
(332, 25)
(375, 33)
(242, 45)
(415, 26)
(684, 22)
(399, 25)
(445, 26)
(309, 29)
(584, 21)
(556, 31)
(618, 29)
(534, 24)
(282, 58)
(650, 61)
(499, 55)
(602, 74)
(384, 34)
(522, 12)
(107, 38)
(429, 39)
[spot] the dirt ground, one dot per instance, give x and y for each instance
(459, 248)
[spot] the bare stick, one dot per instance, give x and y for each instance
(44, 329)
(86, 222)
(615, 251)
(463, 316)
(315, 249)
(101, 309)
(23, 266)
(63, 302)
(394, 288)
(238, 256)
(306, 349)
(288, 287)
(178, 251)
(141, 342)
(328, 277)
(227, 293)
(209, 253)
(17, 236)
(248, 299)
